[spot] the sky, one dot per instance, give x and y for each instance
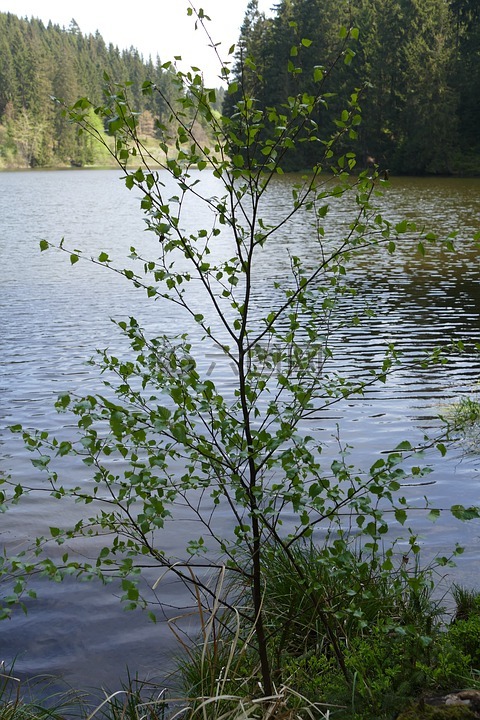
(151, 26)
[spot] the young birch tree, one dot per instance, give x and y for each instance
(253, 452)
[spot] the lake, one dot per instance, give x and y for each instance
(53, 318)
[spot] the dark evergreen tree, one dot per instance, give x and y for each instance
(250, 59)
(466, 15)
(403, 65)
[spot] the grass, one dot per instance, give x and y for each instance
(395, 643)
(463, 420)
(138, 699)
(34, 700)
(467, 603)
(397, 648)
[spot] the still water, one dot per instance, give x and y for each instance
(53, 317)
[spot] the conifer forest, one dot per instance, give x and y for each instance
(415, 63)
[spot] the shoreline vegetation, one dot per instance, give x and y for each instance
(95, 155)
(428, 671)
(104, 162)
(469, 170)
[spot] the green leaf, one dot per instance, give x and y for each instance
(434, 514)
(387, 565)
(179, 432)
(74, 258)
(41, 462)
(377, 465)
(442, 449)
(64, 448)
(44, 245)
(462, 513)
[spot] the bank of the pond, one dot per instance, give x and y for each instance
(469, 169)
(405, 662)
(103, 160)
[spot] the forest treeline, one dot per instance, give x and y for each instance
(39, 62)
(416, 63)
